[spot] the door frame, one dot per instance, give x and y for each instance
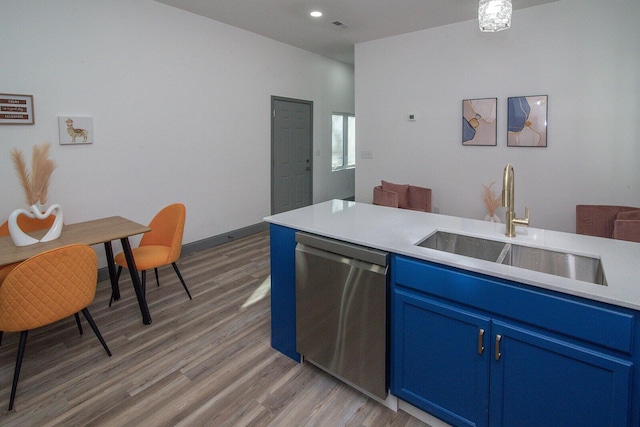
(275, 98)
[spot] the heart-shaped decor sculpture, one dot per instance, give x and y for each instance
(20, 238)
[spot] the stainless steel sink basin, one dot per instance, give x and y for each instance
(559, 263)
(565, 264)
(474, 247)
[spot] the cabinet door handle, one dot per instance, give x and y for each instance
(497, 353)
(480, 341)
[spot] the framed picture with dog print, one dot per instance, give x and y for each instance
(75, 130)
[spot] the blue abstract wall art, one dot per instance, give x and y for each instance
(527, 121)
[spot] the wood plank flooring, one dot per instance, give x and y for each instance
(205, 362)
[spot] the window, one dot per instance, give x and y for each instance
(343, 143)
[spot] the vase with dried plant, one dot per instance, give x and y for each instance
(491, 201)
(35, 184)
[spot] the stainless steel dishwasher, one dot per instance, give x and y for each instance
(341, 310)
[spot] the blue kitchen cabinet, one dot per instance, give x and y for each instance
(283, 290)
(539, 380)
(474, 350)
(436, 365)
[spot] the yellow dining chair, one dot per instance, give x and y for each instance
(27, 224)
(46, 288)
(160, 246)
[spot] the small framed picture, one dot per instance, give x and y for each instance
(16, 109)
(75, 130)
(479, 121)
(527, 121)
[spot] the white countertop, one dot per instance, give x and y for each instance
(398, 230)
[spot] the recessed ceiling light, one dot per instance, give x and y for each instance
(316, 14)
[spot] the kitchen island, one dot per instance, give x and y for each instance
(477, 342)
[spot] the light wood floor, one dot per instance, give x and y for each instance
(205, 362)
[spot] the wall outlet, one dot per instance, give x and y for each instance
(436, 210)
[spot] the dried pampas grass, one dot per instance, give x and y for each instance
(35, 183)
(491, 200)
(23, 173)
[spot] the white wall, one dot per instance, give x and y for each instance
(585, 55)
(180, 107)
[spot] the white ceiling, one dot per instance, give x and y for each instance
(288, 21)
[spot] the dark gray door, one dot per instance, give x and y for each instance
(291, 154)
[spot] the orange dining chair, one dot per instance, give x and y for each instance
(46, 288)
(27, 224)
(160, 246)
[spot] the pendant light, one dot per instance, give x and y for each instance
(494, 15)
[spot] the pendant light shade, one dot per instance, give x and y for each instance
(494, 15)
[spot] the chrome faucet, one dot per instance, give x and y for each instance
(508, 192)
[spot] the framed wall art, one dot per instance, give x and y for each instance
(527, 121)
(479, 121)
(75, 130)
(16, 109)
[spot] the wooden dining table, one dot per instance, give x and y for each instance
(98, 231)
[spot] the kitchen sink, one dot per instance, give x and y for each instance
(565, 264)
(474, 247)
(560, 263)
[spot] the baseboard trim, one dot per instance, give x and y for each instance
(221, 239)
(421, 415)
(209, 242)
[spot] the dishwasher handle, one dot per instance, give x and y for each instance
(348, 250)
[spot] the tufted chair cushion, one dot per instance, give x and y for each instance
(5, 270)
(48, 287)
(26, 224)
